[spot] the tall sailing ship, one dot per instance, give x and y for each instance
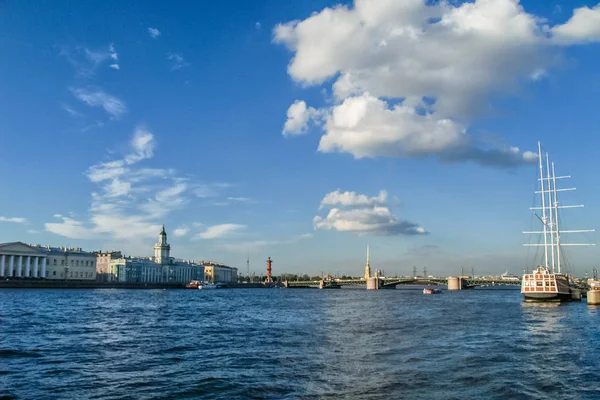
(548, 282)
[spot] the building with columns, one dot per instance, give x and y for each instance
(20, 260)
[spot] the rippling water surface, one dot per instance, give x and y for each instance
(294, 344)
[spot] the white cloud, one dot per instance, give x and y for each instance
(33, 231)
(177, 61)
(143, 144)
(353, 199)
(71, 111)
(17, 220)
(86, 61)
(363, 215)
(205, 190)
(181, 231)
(70, 228)
(131, 201)
(95, 97)
(220, 231)
(258, 26)
(298, 116)
(114, 56)
(408, 77)
(117, 188)
(240, 199)
(584, 26)
(153, 32)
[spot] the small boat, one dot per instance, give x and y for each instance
(431, 291)
(329, 285)
(192, 285)
(209, 286)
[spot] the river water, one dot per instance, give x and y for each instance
(294, 344)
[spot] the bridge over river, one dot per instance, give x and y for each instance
(390, 283)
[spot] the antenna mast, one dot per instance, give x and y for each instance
(248, 265)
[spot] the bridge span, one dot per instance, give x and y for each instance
(390, 283)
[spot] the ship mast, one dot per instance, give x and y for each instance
(544, 221)
(550, 220)
(551, 193)
(555, 202)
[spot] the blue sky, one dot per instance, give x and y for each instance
(405, 126)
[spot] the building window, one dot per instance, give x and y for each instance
(71, 263)
(54, 273)
(92, 263)
(55, 261)
(62, 262)
(77, 263)
(71, 274)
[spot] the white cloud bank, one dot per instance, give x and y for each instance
(361, 214)
(131, 201)
(408, 76)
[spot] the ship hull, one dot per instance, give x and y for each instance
(546, 297)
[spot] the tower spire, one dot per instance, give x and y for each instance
(368, 267)
(162, 249)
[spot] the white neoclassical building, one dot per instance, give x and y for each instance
(20, 260)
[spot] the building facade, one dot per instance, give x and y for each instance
(162, 268)
(20, 260)
(103, 259)
(69, 263)
(219, 273)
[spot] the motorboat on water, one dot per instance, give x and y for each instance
(431, 291)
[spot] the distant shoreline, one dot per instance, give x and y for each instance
(58, 284)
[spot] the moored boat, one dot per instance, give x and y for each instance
(542, 285)
(208, 286)
(192, 285)
(431, 291)
(547, 282)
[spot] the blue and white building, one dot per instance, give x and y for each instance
(162, 268)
